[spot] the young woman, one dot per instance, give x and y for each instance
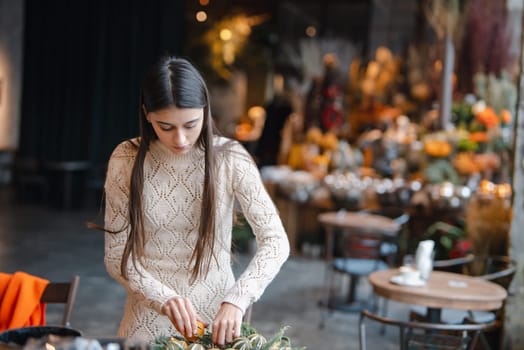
(170, 198)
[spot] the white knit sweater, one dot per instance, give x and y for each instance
(172, 196)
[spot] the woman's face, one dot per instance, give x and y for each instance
(177, 128)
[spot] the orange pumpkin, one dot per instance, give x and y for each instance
(505, 116)
(479, 136)
(437, 148)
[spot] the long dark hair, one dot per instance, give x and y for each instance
(173, 82)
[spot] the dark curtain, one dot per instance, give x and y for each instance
(83, 63)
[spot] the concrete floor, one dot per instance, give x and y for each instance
(56, 244)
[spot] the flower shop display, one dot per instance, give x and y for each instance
(484, 145)
(298, 185)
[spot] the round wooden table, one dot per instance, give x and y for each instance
(443, 290)
(358, 222)
(361, 221)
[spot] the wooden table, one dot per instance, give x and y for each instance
(443, 290)
(360, 222)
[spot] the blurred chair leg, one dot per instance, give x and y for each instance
(384, 313)
(323, 316)
(484, 341)
(402, 338)
(362, 333)
(353, 281)
(326, 293)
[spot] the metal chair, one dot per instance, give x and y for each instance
(495, 268)
(62, 293)
(393, 247)
(358, 252)
(424, 335)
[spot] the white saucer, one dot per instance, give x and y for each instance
(401, 280)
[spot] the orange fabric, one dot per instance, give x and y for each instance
(20, 304)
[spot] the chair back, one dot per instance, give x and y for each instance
(495, 268)
(62, 293)
(394, 247)
(424, 335)
(362, 246)
(370, 245)
(399, 215)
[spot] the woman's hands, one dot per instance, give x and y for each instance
(227, 324)
(182, 314)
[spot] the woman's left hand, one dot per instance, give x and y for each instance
(227, 324)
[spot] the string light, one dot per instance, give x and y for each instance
(227, 38)
(311, 31)
(201, 16)
(225, 34)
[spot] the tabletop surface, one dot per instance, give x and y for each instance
(444, 289)
(364, 222)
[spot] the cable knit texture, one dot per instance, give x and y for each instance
(172, 195)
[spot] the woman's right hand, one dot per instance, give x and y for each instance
(182, 314)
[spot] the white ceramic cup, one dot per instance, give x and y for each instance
(409, 273)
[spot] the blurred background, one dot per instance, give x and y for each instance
(70, 71)
(344, 104)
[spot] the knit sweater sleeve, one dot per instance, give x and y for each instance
(140, 282)
(261, 214)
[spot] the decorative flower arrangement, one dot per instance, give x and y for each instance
(439, 147)
(485, 141)
(482, 122)
(478, 144)
(249, 340)
(315, 154)
(451, 239)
